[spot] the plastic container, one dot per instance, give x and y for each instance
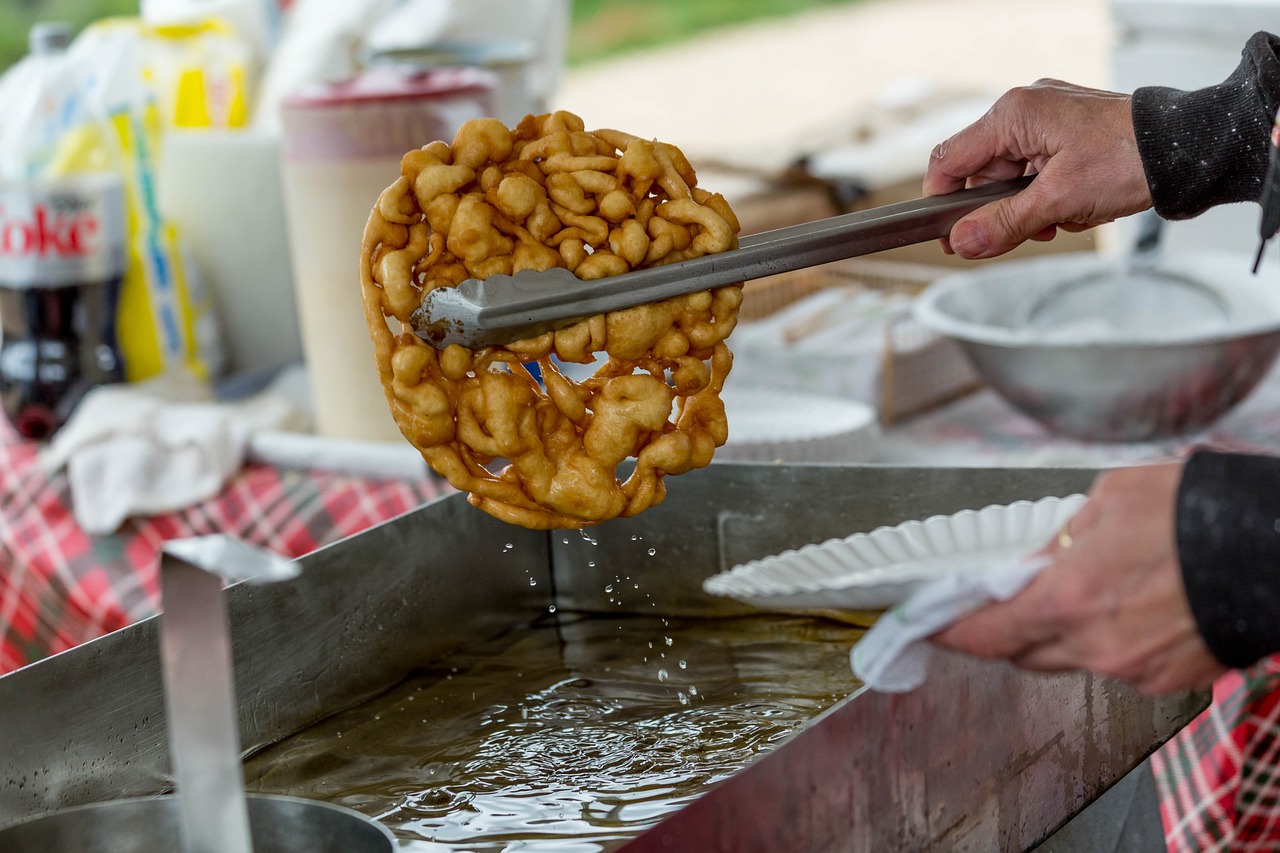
(341, 148)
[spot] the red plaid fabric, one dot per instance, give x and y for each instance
(60, 587)
(1219, 778)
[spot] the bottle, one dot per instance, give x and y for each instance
(62, 259)
(63, 253)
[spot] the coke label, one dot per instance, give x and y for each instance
(63, 232)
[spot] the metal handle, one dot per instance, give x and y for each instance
(199, 689)
(501, 309)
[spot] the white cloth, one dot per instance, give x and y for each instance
(157, 446)
(894, 655)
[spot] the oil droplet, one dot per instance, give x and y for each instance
(508, 546)
(608, 588)
(652, 551)
(684, 699)
(693, 691)
(551, 608)
(663, 675)
(533, 581)
(591, 564)
(684, 664)
(670, 642)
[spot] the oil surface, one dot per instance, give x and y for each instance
(571, 736)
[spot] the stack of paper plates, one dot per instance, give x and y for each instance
(768, 425)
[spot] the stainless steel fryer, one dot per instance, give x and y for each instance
(982, 757)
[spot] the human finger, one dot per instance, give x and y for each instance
(1006, 223)
(1185, 665)
(979, 150)
(996, 170)
(1051, 656)
(1002, 629)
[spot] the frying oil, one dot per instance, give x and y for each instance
(572, 736)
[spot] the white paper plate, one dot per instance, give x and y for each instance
(768, 425)
(876, 570)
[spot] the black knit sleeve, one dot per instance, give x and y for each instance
(1228, 532)
(1209, 146)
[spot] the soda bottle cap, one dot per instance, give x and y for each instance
(49, 37)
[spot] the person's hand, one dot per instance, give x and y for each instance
(1112, 601)
(1079, 142)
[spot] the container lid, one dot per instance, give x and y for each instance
(494, 54)
(48, 37)
(387, 84)
(382, 113)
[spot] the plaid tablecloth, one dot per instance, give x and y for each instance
(60, 587)
(1219, 778)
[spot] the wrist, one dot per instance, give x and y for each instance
(1228, 536)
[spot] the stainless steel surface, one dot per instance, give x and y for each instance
(1175, 375)
(150, 825)
(200, 706)
(502, 308)
(981, 757)
(89, 724)
(970, 771)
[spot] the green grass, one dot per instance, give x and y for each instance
(600, 28)
(603, 28)
(17, 16)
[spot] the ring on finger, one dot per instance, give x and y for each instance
(1064, 537)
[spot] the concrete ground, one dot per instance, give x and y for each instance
(758, 91)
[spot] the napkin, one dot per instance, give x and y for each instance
(894, 655)
(157, 446)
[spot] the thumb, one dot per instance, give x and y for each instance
(1002, 225)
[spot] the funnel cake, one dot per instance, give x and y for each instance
(546, 194)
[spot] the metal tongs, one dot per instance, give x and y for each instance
(502, 309)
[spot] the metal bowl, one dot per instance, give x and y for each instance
(151, 825)
(1170, 372)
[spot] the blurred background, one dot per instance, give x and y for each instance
(600, 28)
(254, 135)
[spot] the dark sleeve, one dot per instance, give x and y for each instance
(1228, 532)
(1209, 146)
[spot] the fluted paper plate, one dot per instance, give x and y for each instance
(876, 570)
(768, 425)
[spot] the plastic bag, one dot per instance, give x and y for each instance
(90, 110)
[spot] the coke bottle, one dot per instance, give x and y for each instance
(62, 260)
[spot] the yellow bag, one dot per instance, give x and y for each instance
(166, 319)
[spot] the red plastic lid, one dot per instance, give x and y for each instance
(386, 84)
(382, 113)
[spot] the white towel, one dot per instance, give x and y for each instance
(157, 446)
(894, 655)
